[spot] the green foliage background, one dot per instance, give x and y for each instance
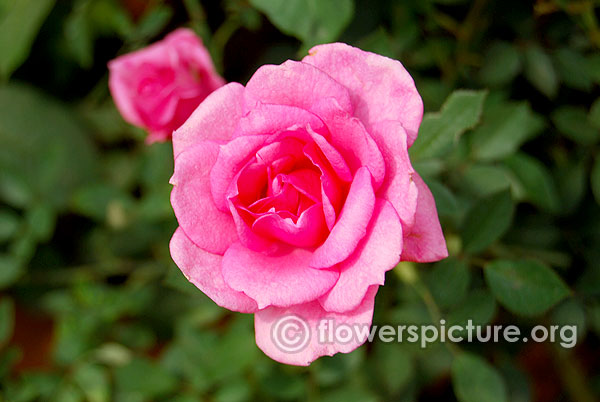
(93, 309)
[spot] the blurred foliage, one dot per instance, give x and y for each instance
(93, 309)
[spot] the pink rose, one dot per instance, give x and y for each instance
(295, 194)
(158, 87)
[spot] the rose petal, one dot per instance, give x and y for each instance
(308, 231)
(378, 252)
(349, 137)
(380, 88)
(203, 269)
(264, 119)
(188, 46)
(294, 83)
(215, 118)
(335, 159)
(121, 79)
(232, 157)
(398, 186)
(208, 227)
(282, 279)
(425, 241)
(352, 224)
(332, 189)
(271, 335)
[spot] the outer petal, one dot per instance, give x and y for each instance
(269, 336)
(189, 47)
(215, 119)
(425, 241)
(203, 269)
(119, 86)
(398, 186)
(209, 228)
(381, 88)
(352, 224)
(273, 119)
(282, 279)
(378, 252)
(294, 83)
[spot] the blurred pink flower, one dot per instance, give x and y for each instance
(158, 87)
(295, 194)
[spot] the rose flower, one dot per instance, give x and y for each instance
(158, 87)
(295, 194)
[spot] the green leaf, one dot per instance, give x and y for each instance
(95, 199)
(311, 21)
(594, 115)
(475, 380)
(93, 381)
(233, 391)
(595, 179)
(537, 183)
(572, 121)
(502, 64)
(50, 154)
(379, 42)
(7, 320)
(9, 224)
(354, 392)
(445, 201)
(570, 312)
(487, 221)
(504, 128)
(573, 69)
(109, 17)
(68, 392)
(525, 287)
(540, 71)
(19, 25)
(448, 282)
(438, 131)
(394, 366)
(479, 306)
(10, 270)
(485, 180)
(571, 181)
(517, 382)
(41, 220)
(152, 22)
(143, 377)
(593, 66)
(79, 34)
